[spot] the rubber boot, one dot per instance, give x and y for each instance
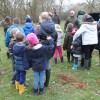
(82, 62)
(75, 67)
(17, 85)
(47, 73)
(41, 91)
(72, 59)
(89, 66)
(55, 60)
(21, 89)
(86, 64)
(68, 58)
(13, 78)
(35, 91)
(62, 59)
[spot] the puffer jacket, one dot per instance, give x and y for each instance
(28, 28)
(20, 56)
(8, 35)
(88, 30)
(47, 28)
(77, 46)
(40, 55)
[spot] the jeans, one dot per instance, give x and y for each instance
(39, 77)
(58, 50)
(20, 76)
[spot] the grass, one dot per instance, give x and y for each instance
(57, 90)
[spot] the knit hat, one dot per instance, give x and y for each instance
(87, 18)
(32, 39)
(28, 20)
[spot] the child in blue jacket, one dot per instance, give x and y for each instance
(28, 27)
(21, 62)
(40, 56)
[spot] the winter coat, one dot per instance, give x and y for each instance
(20, 56)
(88, 30)
(77, 46)
(8, 36)
(68, 42)
(98, 45)
(10, 47)
(5, 25)
(28, 28)
(47, 28)
(59, 39)
(39, 55)
(72, 20)
(55, 19)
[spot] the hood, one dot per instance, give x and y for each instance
(38, 46)
(28, 25)
(18, 49)
(48, 26)
(92, 26)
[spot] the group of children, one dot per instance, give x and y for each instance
(29, 50)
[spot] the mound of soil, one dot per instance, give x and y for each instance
(67, 78)
(71, 79)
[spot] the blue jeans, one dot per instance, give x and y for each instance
(20, 76)
(39, 77)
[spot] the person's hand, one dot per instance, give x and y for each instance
(48, 37)
(29, 47)
(71, 47)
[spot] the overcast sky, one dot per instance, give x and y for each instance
(75, 1)
(72, 1)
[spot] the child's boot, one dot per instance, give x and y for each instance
(17, 85)
(62, 59)
(68, 58)
(21, 88)
(75, 67)
(55, 60)
(35, 91)
(41, 91)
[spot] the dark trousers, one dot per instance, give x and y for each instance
(76, 60)
(87, 51)
(20, 76)
(69, 55)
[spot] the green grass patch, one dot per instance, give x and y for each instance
(57, 90)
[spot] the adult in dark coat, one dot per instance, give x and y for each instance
(71, 19)
(55, 17)
(47, 28)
